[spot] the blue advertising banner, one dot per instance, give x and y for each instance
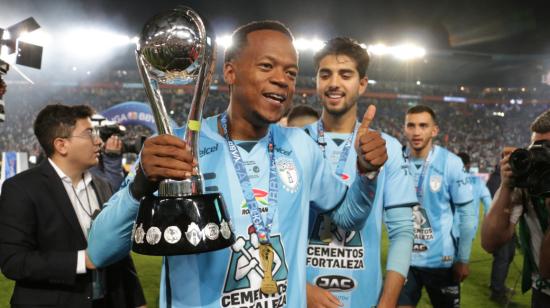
(131, 113)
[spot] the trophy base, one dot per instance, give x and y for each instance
(167, 226)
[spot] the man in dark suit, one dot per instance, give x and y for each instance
(45, 215)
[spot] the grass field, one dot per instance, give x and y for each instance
(475, 291)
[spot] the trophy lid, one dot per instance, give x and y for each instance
(172, 45)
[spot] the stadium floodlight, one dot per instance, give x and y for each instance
(303, 44)
(38, 37)
(378, 49)
(93, 42)
(316, 44)
(26, 53)
(224, 41)
(408, 52)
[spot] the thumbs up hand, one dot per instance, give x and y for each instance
(369, 145)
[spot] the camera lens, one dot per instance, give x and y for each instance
(520, 162)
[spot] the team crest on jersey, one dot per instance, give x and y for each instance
(435, 182)
(288, 174)
(421, 224)
(244, 274)
(332, 247)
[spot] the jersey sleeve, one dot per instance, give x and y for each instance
(485, 197)
(467, 223)
(399, 188)
(110, 234)
(400, 233)
(462, 199)
(349, 206)
(398, 205)
(460, 188)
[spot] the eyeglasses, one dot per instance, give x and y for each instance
(90, 134)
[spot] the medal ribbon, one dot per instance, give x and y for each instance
(262, 228)
(345, 151)
(419, 186)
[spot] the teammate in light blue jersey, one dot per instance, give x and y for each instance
(480, 192)
(439, 260)
(343, 268)
(260, 69)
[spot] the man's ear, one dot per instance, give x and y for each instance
(435, 131)
(229, 72)
(60, 146)
(363, 82)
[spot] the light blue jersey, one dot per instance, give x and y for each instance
(348, 263)
(446, 191)
(481, 195)
(231, 277)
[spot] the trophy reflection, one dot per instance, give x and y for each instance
(177, 47)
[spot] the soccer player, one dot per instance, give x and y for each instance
(260, 169)
(439, 261)
(343, 268)
(480, 191)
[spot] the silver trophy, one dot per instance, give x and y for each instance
(177, 47)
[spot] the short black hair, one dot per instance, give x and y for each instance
(421, 109)
(541, 124)
(300, 111)
(239, 36)
(465, 157)
(348, 47)
(58, 121)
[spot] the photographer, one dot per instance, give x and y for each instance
(110, 162)
(116, 144)
(524, 198)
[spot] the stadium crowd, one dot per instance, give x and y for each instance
(479, 129)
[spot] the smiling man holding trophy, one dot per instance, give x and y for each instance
(269, 177)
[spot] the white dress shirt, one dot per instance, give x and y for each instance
(84, 204)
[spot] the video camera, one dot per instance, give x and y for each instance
(129, 145)
(106, 129)
(531, 168)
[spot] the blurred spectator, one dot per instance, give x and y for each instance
(302, 115)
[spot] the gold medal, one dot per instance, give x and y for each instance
(268, 285)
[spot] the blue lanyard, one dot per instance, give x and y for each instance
(262, 228)
(419, 186)
(345, 151)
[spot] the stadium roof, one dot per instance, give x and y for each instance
(471, 42)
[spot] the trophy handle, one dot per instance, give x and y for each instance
(208, 56)
(152, 89)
